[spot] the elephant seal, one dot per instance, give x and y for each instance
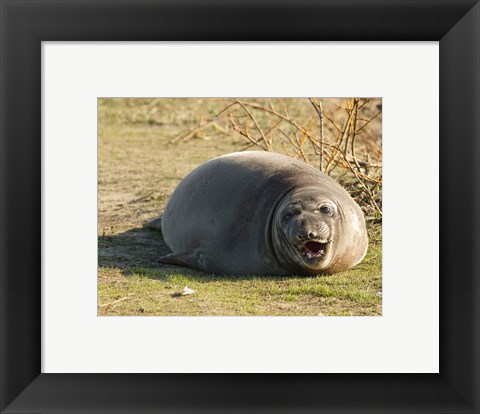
(262, 213)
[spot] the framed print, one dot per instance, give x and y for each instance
(35, 53)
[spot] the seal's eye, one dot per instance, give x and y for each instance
(325, 209)
(286, 218)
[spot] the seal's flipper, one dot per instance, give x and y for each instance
(155, 224)
(196, 260)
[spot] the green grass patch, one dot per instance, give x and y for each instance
(139, 290)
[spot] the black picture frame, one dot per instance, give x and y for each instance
(25, 24)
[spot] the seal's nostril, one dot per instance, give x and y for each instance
(302, 234)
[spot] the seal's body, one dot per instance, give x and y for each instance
(263, 213)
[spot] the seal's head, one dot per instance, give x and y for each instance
(317, 231)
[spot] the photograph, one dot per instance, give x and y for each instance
(239, 206)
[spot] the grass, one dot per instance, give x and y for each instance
(138, 169)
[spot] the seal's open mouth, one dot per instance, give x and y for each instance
(315, 249)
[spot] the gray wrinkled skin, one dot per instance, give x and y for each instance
(263, 213)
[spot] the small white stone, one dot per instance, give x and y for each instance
(187, 291)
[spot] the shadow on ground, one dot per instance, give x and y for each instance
(138, 250)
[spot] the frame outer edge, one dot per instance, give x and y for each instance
(460, 192)
(14, 380)
(20, 264)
